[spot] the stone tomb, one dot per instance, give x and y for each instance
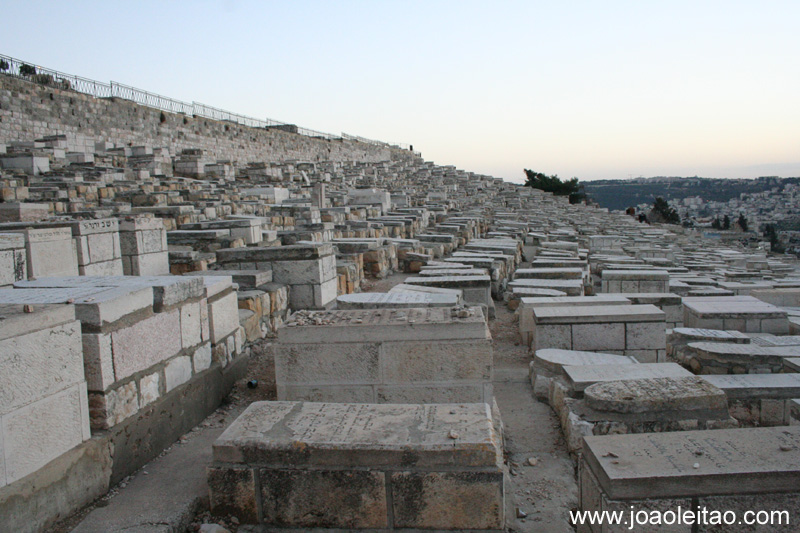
(549, 273)
(360, 466)
(310, 271)
(759, 399)
(579, 377)
(670, 303)
(476, 289)
(679, 338)
(637, 330)
(735, 470)
(44, 410)
(645, 405)
(143, 244)
(416, 355)
(458, 294)
(735, 358)
(739, 313)
(142, 337)
(378, 300)
(49, 252)
(13, 265)
(572, 287)
(526, 319)
(635, 281)
(98, 247)
(548, 365)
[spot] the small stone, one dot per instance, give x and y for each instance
(786, 448)
(213, 528)
(696, 465)
(27, 308)
(533, 461)
(521, 513)
(453, 434)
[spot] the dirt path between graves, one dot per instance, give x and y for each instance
(542, 486)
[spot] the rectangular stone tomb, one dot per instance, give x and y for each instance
(681, 337)
(581, 376)
(637, 330)
(758, 386)
(476, 289)
(549, 273)
(141, 337)
(548, 364)
(404, 287)
(670, 303)
(635, 281)
(526, 321)
(759, 399)
(744, 313)
(360, 466)
(377, 300)
(310, 271)
(733, 470)
(415, 355)
(572, 287)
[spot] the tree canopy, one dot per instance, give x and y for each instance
(555, 185)
(742, 222)
(663, 212)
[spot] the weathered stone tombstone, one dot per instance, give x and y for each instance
(414, 355)
(354, 466)
(723, 471)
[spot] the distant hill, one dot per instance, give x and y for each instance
(621, 194)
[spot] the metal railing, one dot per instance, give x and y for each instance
(148, 99)
(44, 76)
(372, 141)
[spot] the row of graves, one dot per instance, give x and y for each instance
(134, 285)
(674, 373)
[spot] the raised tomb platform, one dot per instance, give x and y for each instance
(347, 466)
(722, 470)
(413, 355)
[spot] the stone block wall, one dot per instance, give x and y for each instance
(29, 110)
(43, 403)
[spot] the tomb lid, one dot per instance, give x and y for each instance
(553, 359)
(599, 313)
(385, 325)
(300, 434)
(757, 386)
(582, 376)
(696, 463)
(15, 321)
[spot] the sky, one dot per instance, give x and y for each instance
(596, 90)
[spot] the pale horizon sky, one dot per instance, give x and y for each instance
(597, 90)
